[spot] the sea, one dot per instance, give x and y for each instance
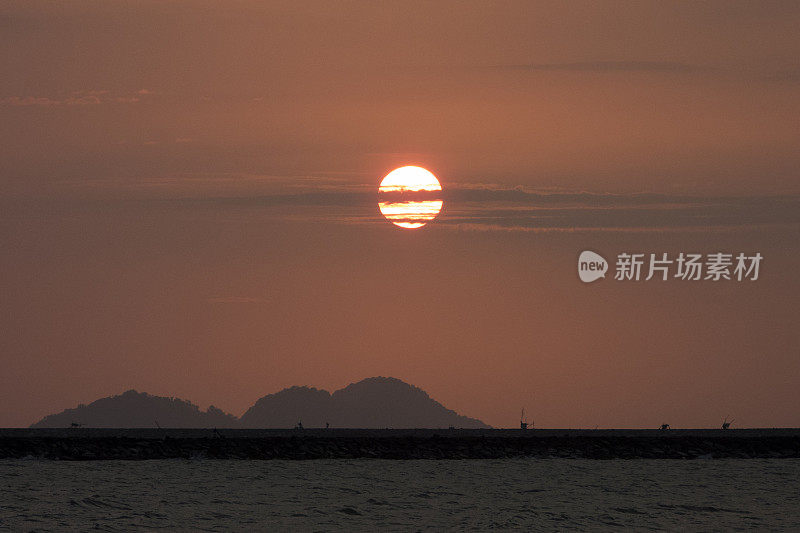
(370, 494)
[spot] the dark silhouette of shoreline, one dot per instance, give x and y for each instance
(308, 423)
(296, 444)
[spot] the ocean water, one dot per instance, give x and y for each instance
(364, 494)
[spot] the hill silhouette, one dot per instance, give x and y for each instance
(286, 408)
(378, 402)
(134, 409)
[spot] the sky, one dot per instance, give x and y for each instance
(188, 204)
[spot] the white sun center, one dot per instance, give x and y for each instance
(408, 197)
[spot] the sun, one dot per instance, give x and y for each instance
(410, 197)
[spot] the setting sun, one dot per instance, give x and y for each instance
(410, 197)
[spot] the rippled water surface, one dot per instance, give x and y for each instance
(374, 494)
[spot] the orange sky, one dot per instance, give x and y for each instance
(187, 204)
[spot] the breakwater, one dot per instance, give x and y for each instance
(136, 444)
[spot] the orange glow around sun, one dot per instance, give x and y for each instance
(410, 197)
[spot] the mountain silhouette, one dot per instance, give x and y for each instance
(286, 408)
(377, 402)
(133, 409)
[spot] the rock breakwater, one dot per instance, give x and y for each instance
(388, 444)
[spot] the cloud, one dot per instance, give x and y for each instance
(609, 66)
(468, 206)
(19, 101)
(126, 99)
(76, 98)
(516, 209)
(234, 300)
(595, 229)
(789, 75)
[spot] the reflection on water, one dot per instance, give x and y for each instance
(411, 214)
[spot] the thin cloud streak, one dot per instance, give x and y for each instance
(787, 74)
(553, 211)
(77, 98)
(495, 207)
(608, 66)
(604, 229)
(235, 300)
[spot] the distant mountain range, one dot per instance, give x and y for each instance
(377, 402)
(133, 409)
